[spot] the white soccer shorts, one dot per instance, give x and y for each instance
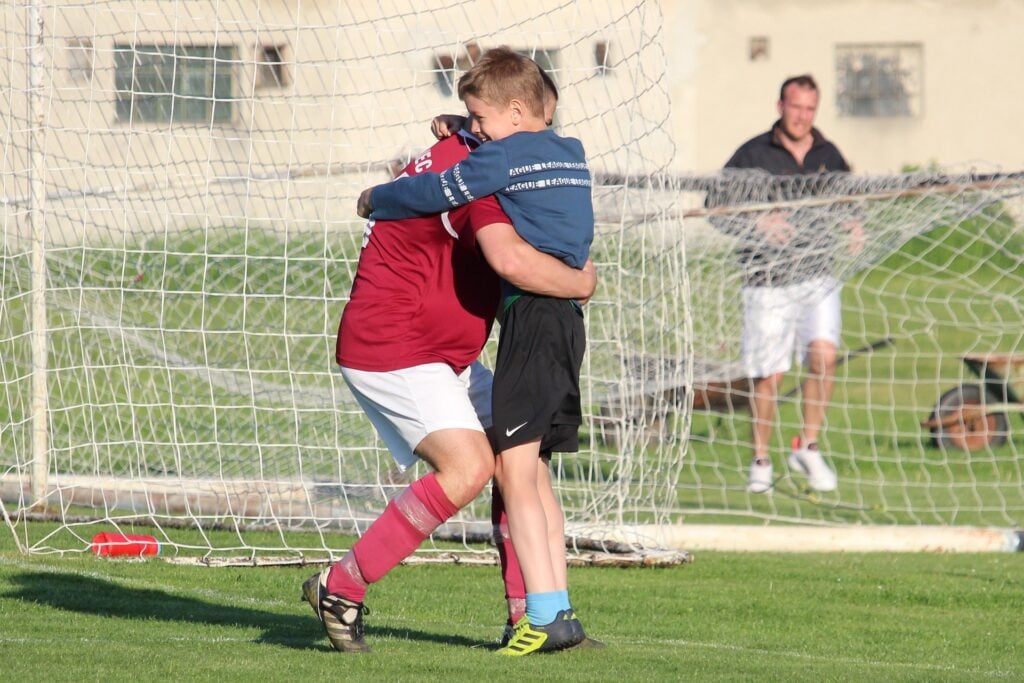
(406, 405)
(779, 322)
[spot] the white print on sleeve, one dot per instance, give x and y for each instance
(448, 225)
(423, 162)
(367, 229)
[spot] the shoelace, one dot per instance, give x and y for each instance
(338, 606)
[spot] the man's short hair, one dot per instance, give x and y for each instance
(549, 85)
(803, 81)
(503, 75)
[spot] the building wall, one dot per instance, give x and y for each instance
(972, 77)
(362, 88)
(682, 92)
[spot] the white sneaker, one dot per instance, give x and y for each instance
(808, 461)
(760, 479)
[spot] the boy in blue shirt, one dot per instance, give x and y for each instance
(543, 183)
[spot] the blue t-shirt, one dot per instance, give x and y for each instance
(540, 179)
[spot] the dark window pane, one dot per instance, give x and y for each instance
(878, 80)
(167, 84)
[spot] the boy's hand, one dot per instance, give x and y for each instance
(446, 125)
(364, 207)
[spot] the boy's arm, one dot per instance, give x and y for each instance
(514, 260)
(482, 173)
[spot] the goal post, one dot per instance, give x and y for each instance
(193, 170)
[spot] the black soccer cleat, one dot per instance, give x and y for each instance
(587, 643)
(342, 618)
(562, 633)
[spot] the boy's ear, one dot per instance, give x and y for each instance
(516, 111)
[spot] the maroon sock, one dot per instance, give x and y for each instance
(405, 523)
(511, 574)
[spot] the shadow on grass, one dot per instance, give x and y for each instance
(87, 595)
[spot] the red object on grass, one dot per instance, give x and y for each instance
(113, 543)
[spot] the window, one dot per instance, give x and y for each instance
(174, 83)
(444, 71)
(448, 67)
(758, 48)
(272, 66)
(546, 59)
(603, 57)
(879, 80)
(80, 56)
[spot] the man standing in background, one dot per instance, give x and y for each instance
(790, 299)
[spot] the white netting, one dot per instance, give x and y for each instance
(932, 305)
(178, 185)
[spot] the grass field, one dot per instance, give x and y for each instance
(911, 617)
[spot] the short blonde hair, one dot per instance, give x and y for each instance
(503, 75)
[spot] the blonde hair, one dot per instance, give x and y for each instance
(503, 75)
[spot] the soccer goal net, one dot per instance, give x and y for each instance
(177, 188)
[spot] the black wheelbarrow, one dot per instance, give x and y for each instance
(974, 416)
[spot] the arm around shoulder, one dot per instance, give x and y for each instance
(519, 263)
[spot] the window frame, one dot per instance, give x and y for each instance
(175, 83)
(887, 83)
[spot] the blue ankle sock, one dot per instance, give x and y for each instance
(542, 608)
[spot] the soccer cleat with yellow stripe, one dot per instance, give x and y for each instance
(587, 643)
(342, 619)
(564, 632)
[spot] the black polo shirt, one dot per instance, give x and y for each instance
(811, 251)
(766, 152)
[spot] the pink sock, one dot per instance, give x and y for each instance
(405, 523)
(511, 574)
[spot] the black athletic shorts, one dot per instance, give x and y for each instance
(536, 390)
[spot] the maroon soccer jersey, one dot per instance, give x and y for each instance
(422, 292)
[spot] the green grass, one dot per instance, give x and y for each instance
(870, 617)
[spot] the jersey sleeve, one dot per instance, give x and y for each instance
(483, 173)
(484, 212)
(466, 221)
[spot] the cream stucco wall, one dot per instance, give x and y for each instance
(361, 92)
(682, 94)
(972, 82)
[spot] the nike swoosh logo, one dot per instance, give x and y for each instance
(510, 432)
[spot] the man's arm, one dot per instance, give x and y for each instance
(513, 259)
(770, 227)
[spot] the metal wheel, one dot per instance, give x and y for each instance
(959, 420)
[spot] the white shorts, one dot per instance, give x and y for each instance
(779, 322)
(406, 405)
